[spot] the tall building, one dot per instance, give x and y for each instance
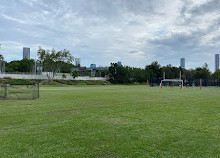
(77, 61)
(216, 62)
(119, 63)
(26, 53)
(182, 62)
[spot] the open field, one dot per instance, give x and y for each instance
(112, 121)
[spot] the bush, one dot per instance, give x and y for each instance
(63, 76)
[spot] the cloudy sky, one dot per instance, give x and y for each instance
(135, 32)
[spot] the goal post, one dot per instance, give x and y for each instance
(172, 80)
(19, 92)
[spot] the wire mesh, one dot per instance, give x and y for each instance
(19, 92)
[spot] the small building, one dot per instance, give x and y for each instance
(93, 66)
(91, 71)
(77, 61)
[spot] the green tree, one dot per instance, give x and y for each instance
(154, 70)
(26, 65)
(53, 60)
(120, 74)
(202, 73)
(66, 67)
(216, 74)
(75, 74)
(13, 66)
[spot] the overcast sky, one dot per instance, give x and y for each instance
(135, 32)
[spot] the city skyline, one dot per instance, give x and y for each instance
(134, 32)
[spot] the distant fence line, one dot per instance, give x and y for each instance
(44, 77)
(189, 82)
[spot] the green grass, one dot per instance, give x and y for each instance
(112, 121)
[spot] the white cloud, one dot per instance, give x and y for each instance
(107, 31)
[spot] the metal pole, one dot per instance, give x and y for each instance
(35, 68)
(38, 89)
(182, 85)
(33, 91)
(3, 69)
(0, 65)
(5, 91)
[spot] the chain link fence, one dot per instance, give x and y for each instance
(19, 92)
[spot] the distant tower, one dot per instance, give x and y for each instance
(182, 63)
(77, 61)
(119, 63)
(26, 53)
(216, 62)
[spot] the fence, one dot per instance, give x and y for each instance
(205, 82)
(19, 92)
(44, 77)
(193, 82)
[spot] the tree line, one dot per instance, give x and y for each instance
(126, 74)
(61, 61)
(50, 61)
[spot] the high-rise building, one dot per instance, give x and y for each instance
(182, 62)
(26, 53)
(119, 63)
(216, 62)
(77, 61)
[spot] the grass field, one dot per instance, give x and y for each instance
(112, 121)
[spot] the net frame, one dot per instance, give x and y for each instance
(172, 80)
(19, 92)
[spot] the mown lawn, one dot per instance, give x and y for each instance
(112, 121)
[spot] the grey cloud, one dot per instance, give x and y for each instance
(136, 31)
(133, 52)
(212, 6)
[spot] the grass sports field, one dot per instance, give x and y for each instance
(112, 121)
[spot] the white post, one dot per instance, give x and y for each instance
(182, 85)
